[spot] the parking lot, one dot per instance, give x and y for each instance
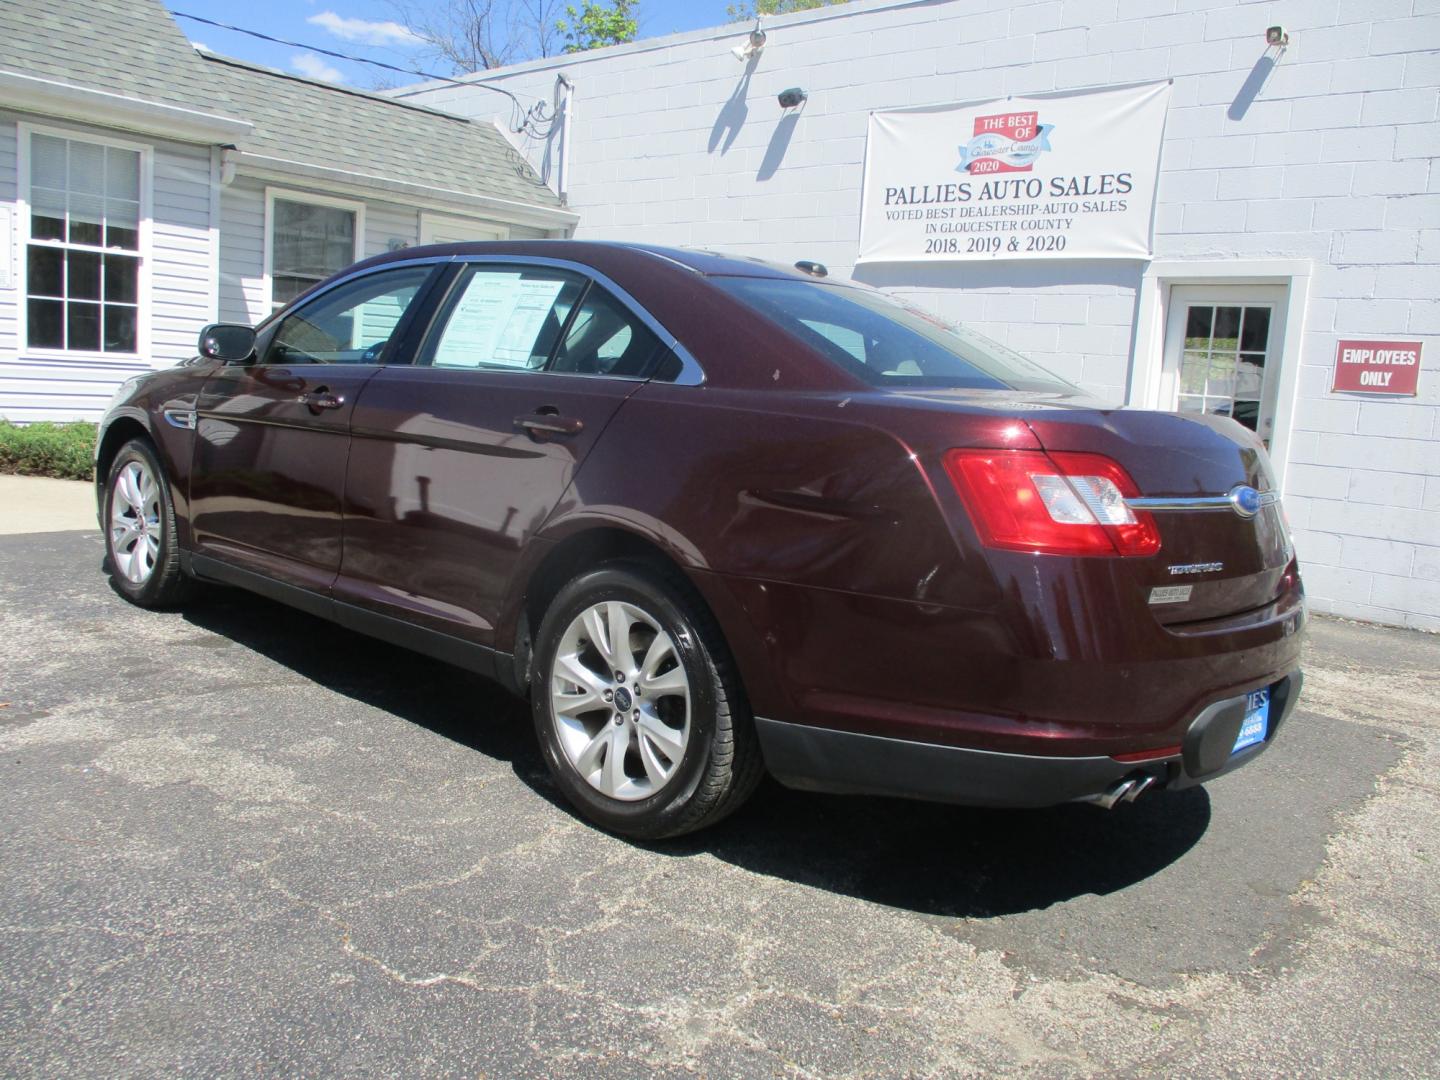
(240, 840)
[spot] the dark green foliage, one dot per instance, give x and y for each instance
(65, 451)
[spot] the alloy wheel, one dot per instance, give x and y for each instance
(620, 700)
(135, 522)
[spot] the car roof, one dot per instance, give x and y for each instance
(605, 254)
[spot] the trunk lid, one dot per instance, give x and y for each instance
(1230, 562)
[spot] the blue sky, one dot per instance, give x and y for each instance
(370, 28)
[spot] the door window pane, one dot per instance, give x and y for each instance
(83, 197)
(1255, 330)
(308, 243)
(1222, 368)
(506, 318)
(350, 324)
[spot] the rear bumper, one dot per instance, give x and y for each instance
(847, 762)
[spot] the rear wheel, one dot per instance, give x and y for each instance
(144, 554)
(639, 714)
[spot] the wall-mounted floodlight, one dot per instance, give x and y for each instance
(1276, 35)
(752, 46)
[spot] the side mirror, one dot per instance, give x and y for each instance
(229, 342)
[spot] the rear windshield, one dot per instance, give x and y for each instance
(888, 342)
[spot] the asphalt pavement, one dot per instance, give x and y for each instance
(239, 840)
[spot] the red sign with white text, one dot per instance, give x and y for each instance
(1377, 367)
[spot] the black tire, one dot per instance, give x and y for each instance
(721, 762)
(163, 584)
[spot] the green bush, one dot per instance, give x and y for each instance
(65, 451)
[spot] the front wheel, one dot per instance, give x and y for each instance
(140, 540)
(639, 713)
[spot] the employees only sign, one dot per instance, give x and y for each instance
(1377, 367)
(1057, 176)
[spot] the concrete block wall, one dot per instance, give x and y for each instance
(1325, 154)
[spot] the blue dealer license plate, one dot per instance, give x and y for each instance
(1257, 721)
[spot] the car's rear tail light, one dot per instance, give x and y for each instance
(1057, 504)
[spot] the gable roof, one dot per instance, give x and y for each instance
(133, 48)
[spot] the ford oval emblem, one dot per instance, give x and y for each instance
(1245, 500)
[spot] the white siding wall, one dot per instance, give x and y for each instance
(51, 388)
(242, 251)
(1332, 161)
(242, 241)
(8, 193)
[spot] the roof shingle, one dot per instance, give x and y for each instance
(134, 48)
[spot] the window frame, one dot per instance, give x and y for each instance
(689, 373)
(402, 339)
(25, 131)
(267, 275)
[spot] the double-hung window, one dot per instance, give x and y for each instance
(83, 257)
(310, 239)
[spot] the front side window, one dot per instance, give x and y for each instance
(888, 342)
(350, 324)
(309, 242)
(82, 259)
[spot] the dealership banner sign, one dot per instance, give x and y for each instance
(1053, 176)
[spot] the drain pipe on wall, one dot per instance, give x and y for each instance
(564, 100)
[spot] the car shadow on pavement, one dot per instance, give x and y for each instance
(923, 857)
(954, 860)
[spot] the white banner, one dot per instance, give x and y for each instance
(1047, 177)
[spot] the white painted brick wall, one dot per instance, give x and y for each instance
(1333, 161)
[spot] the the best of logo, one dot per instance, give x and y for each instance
(1007, 142)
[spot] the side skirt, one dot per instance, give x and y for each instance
(480, 659)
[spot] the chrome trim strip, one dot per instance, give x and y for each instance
(691, 373)
(335, 283)
(184, 419)
(1195, 502)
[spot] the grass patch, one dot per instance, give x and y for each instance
(64, 451)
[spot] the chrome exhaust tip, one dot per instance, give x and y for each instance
(1142, 785)
(1107, 799)
(1126, 789)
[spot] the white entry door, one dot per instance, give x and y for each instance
(1223, 345)
(437, 229)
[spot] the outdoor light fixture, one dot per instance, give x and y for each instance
(1276, 35)
(793, 97)
(752, 47)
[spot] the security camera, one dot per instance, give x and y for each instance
(752, 46)
(793, 97)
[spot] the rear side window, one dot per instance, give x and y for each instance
(506, 318)
(888, 342)
(606, 338)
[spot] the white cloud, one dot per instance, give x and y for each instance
(364, 31)
(311, 66)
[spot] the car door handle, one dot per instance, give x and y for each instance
(549, 424)
(321, 399)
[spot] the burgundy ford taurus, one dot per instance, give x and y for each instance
(716, 517)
